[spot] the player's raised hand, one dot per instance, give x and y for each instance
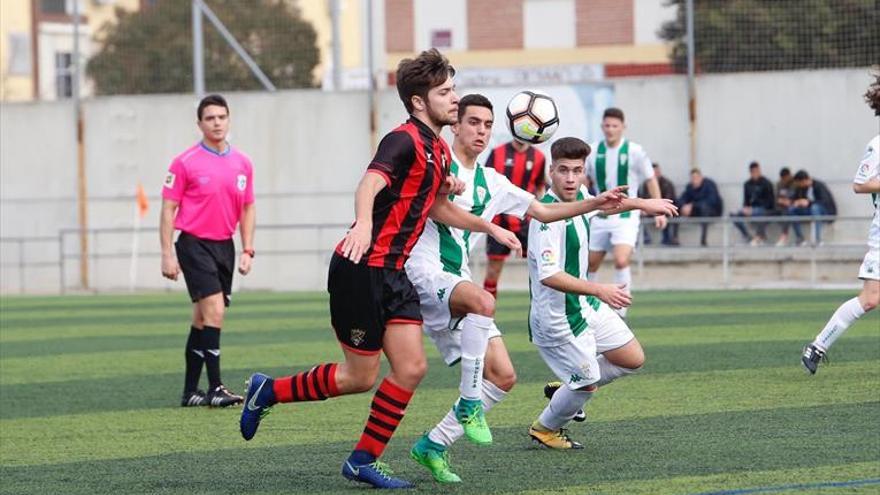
(614, 295)
(356, 242)
(507, 238)
(170, 267)
(452, 185)
(612, 198)
(659, 207)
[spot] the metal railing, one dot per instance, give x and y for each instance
(317, 240)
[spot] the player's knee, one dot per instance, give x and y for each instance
(620, 263)
(411, 374)
(485, 305)
(505, 381)
(362, 382)
(870, 299)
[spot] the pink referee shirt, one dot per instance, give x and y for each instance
(211, 188)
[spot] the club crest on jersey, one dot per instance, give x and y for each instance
(241, 182)
(481, 194)
(169, 180)
(357, 336)
(508, 162)
(623, 159)
(529, 165)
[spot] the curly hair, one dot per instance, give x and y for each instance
(872, 95)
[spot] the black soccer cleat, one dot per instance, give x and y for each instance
(551, 389)
(811, 358)
(222, 397)
(193, 399)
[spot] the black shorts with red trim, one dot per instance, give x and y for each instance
(207, 266)
(497, 251)
(364, 299)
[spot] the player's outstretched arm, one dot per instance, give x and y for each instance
(357, 240)
(611, 294)
(446, 213)
(170, 267)
(650, 206)
(553, 212)
(870, 187)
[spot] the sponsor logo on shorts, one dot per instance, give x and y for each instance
(544, 227)
(357, 336)
(441, 293)
(575, 378)
(169, 180)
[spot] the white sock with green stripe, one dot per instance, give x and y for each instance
(564, 404)
(449, 429)
(843, 318)
(474, 342)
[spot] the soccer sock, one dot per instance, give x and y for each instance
(195, 358)
(211, 348)
(610, 371)
(842, 319)
(318, 383)
(386, 412)
(623, 276)
(474, 342)
(448, 430)
(491, 286)
(564, 404)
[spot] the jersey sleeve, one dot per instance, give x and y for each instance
(545, 247)
(513, 200)
(646, 168)
(869, 167)
(590, 169)
(395, 154)
(175, 181)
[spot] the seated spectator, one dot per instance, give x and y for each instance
(811, 198)
(758, 201)
(700, 199)
(667, 191)
(784, 195)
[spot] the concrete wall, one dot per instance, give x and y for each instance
(310, 148)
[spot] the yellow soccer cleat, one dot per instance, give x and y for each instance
(552, 439)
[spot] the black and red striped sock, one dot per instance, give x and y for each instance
(386, 412)
(491, 286)
(318, 383)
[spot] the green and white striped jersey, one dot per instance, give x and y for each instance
(869, 168)
(487, 193)
(556, 317)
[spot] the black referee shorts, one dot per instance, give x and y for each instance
(207, 266)
(497, 251)
(363, 299)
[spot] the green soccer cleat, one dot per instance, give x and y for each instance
(469, 413)
(434, 456)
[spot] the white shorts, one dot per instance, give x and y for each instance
(608, 232)
(435, 288)
(870, 269)
(574, 361)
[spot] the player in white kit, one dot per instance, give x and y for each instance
(866, 181)
(579, 337)
(458, 314)
(617, 161)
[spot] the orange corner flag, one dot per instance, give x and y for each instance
(142, 202)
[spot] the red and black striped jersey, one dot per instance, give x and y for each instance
(414, 163)
(525, 169)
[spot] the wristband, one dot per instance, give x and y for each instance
(249, 252)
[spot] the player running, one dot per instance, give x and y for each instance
(571, 319)
(458, 314)
(617, 162)
(866, 181)
(373, 306)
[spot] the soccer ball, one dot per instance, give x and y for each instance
(532, 117)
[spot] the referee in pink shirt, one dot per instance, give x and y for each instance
(209, 190)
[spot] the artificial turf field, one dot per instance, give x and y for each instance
(89, 391)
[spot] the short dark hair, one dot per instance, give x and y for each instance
(613, 112)
(215, 100)
(801, 175)
(784, 172)
(473, 100)
(872, 95)
(754, 165)
(416, 76)
(695, 170)
(571, 148)
(655, 165)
